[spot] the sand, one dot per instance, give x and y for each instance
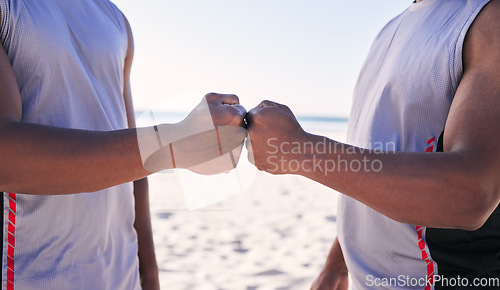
(275, 234)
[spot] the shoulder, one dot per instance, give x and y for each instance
(125, 25)
(123, 19)
(483, 38)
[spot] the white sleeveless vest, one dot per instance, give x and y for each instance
(68, 59)
(401, 102)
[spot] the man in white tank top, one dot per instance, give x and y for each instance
(421, 175)
(72, 218)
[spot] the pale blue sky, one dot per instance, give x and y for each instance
(306, 54)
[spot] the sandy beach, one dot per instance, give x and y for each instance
(275, 234)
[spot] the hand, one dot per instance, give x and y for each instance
(206, 141)
(223, 141)
(215, 110)
(331, 281)
(273, 130)
(221, 164)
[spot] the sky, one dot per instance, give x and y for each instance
(305, 54)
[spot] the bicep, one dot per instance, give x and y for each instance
(474, 119)
(10, 98)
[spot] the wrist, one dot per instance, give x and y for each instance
(316, 153)
(155, 146)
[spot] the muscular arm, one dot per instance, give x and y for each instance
(39, 159)
(458, 188)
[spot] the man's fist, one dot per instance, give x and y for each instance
(208, 141)
(215, 110)
(274, 137)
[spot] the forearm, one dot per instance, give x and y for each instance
(148, 267)
(428, 189)
(38, 159)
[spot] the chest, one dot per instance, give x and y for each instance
(50, 33)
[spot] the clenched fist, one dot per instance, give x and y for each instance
(208, 141)
(275, 139)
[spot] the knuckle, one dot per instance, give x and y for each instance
(265, 103)
(255, 116)
(235, 98)
(211, 96)
(250, 119)
(235, 117)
